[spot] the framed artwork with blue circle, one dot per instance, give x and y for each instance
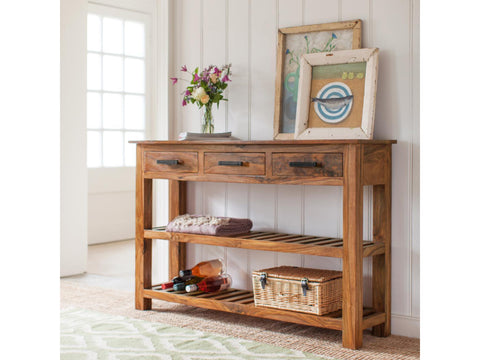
(336, 95)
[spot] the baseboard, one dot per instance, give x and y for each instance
(406, 326)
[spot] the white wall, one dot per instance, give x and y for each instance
(244, 32)
(73, 151)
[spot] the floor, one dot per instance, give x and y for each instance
(110, 265)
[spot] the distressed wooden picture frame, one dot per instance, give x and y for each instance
(336, 95)
(349, 31)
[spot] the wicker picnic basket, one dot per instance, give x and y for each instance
(312, 291)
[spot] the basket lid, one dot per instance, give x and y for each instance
(298, 273)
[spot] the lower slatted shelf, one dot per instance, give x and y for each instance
(242, 302)
(270, 241)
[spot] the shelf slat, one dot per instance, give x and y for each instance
(269, 241)
(242, 302)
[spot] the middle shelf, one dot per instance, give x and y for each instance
(270, 241)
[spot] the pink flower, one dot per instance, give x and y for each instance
(184, 68)
(175, 80)
(188, 93)
(226, 78)
(196, 77)
(217, 71)
(184, 102)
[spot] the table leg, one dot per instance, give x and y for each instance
(177, 206)
(352, 310)
(381, 273)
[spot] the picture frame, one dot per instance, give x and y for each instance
(336, 96)
(293, 42)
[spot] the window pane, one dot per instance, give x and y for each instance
(112, 35)
(112, 148)
(112, 73)
(94, 111)
(130, 153)
(94, 72)
(134, 112)
(94, 33)
(112, 111)
(134, 76)
(134, 38)
(94, 149)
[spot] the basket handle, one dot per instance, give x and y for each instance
(304, 283)
(263, 280)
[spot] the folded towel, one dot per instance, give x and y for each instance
(209, 225)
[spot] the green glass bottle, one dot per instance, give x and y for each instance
(180, 286)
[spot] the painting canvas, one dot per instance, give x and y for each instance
(295, 42)
(337, 95)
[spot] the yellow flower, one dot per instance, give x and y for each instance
(205, 99)
(213, 78)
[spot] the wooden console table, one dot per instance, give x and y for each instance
(348, 163)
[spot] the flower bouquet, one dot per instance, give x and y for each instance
(205, 89)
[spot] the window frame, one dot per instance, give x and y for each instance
(126, 14)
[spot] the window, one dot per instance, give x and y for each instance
(117, 90)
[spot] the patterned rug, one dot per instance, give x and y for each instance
(324, 343)
(89, 335)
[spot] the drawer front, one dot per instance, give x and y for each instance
(307, 164)
(171, 161)
(235, 163)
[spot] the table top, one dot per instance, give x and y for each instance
(262, 142)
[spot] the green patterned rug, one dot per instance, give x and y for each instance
(89, 335)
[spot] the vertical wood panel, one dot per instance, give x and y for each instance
(290, 13)
(358, 9)
(214, 35)
(290, 202)
(263, 46)
(320, 11)
(238, 55)
(187, 118)
(238, 259)
(415, 176)
(262, 210)
(390, 34)
(322, 210)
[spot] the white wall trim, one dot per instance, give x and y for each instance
(406, 326)
(73, 148)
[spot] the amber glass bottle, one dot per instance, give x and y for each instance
(211, 284)
(205, 269)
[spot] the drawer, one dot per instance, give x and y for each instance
(171, 161)
(235, 163)
(307, 164)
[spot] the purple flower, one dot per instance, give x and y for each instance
(184, 68)
(217, 71)
(184, 102)
(225, 78)
(196, 77)
(334, 36)
(188, 93)
(175, 80)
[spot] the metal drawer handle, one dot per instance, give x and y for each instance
(168, 162)
(304, 164)
(230, 163)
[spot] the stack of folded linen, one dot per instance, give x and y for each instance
(209, 225)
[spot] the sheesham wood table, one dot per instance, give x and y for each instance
(348, 163)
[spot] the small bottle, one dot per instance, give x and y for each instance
(180, 286)
(167, 285)
(205, 269)
(181, 279)
(211, 284)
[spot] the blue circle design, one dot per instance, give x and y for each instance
(333, 90)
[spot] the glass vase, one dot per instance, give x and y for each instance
(207, 120)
